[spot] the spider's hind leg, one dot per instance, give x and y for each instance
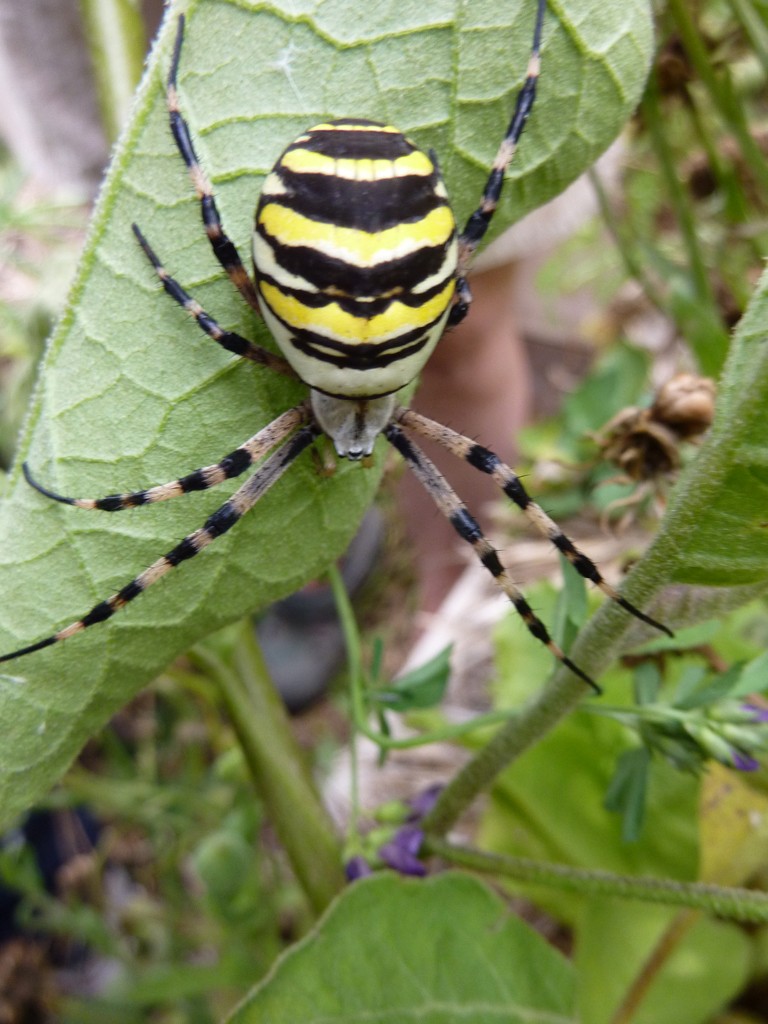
(222, 520)
(488, 462)
(230, 466)
(456, 512)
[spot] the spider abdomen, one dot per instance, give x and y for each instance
(355, 256)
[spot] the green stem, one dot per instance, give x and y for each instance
(117, 42)
(755, 29)
(633, 263)
(735, 207)
(351, 643)
(701, 322)
(720, 89)
(733, 903)
(278, 767)
(669, 941)
(357, 687)
(681, 206)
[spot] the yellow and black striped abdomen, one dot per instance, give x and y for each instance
(355, 255)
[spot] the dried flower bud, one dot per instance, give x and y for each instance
(686, 403)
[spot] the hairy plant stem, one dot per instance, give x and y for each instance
(598, 644)
(736, 904)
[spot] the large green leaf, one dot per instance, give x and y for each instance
(441, 951)
(131, 393)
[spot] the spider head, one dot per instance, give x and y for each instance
(353, 424)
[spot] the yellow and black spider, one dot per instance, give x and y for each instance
(359, 269)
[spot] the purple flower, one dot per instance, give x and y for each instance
(423, 802)
(402, 851)
(743, 762)
(357, 867)
(758, 714)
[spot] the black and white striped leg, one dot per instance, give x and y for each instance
(223, 247)
(477, 224)
(455, 511)
(488, 462)
(231, 465)
(222, 520)
(229, 340)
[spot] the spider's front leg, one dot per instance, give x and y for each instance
(229, 340)
(224, 249)
(479, 220)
